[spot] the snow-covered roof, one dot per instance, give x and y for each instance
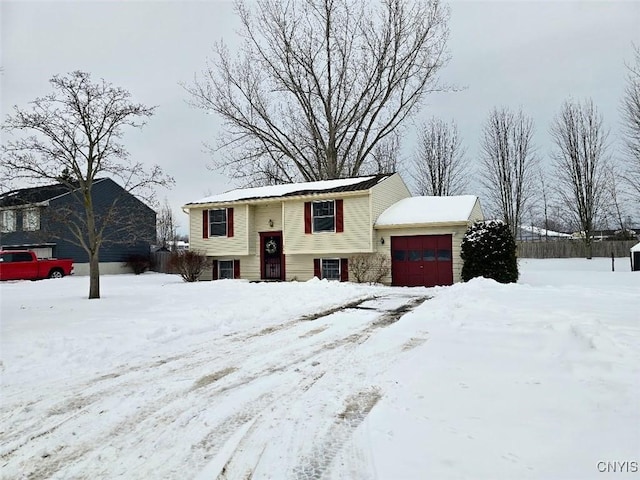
(636, 248)
(291, 189)
(421, 210)
(543, 232)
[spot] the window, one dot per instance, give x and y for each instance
(415, 255)
(218, 223)
(330, 268)
(31, 219)
(225, 269)
(429, 255)
(444, 255)
(399, 255)
(324, 219)
(16, 257)
(8, 221)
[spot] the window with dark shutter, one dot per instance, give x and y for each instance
(218, 222)
(324, 216)
(344, 269)
(330, 268)
(307, 217)
(316, 268)
(229, 222)
(236, 269)
(339, 216)
(205, 224)
(225, 269)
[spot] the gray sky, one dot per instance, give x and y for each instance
(532, 55)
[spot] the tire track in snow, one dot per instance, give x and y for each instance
(357, 406)
(106, 383)
(208, 388)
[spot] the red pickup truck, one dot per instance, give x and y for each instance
(24, 265)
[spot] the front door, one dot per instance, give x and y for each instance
(271, 256)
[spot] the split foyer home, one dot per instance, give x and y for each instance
(38, 218)
(298, 231)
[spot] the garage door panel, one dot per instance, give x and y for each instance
(422, 260)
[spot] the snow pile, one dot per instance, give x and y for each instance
(162, 379)
(423, 210)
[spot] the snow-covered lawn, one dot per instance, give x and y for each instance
(161, 379)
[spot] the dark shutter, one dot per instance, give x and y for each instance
(339, 217)
(307, 217)
(214, 271)
(205, 224)
(316, 268)
(229, 222)
(236, 269)
(344, 269)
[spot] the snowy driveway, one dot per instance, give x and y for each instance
(227, 379)
(290, 394)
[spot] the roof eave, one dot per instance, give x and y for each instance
(397, 226)
(281, 198)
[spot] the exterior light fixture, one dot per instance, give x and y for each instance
(381, 240)
(270, 223)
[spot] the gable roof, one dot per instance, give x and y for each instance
(423, 210)
(295, 189)
(33, 195)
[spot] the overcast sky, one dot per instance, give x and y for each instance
(532, 55)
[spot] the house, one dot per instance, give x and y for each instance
(38, 218)
(298, 231)
(530, 233)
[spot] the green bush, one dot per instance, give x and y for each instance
(489, 250)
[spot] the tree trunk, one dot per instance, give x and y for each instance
(94, 276)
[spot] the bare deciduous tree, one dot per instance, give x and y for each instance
(631, 119)
(320, 84)
(166, 227)
(73, 138)
(508, 164)
(615, 205)
(581, 164)
(439, 160)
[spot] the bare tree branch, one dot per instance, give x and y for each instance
(75, 133)
(320, 84)
(631, 120)
(439, 160)
(581, 164)
(508, 164)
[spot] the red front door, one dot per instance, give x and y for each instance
(421, 260)
(271, 256)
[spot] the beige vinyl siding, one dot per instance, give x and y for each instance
(300, 267)
(265, 212)
(476, 213)
(458, 232)
(249, 267)
(212, 246)
(386, 193)
(358, 230)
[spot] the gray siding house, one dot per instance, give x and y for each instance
(41, 218)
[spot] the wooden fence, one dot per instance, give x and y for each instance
(573, 249)
(160, 261)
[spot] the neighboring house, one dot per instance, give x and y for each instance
(38, 218)
(298, 231)
(530, 233)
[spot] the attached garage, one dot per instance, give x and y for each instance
(421, 260)
(422, 235)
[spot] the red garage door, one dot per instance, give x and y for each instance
(421, 260)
